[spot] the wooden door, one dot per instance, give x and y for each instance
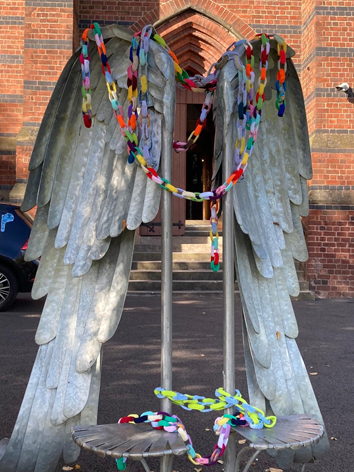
(183, 98)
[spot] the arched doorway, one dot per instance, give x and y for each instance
(198, 41)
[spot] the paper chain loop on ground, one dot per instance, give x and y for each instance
(249, 113)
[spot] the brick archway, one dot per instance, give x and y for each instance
(197, 34)
(196, 40)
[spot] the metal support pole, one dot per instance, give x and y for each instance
(166, 295)
(228, 294)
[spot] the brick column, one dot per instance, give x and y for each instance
(328, 54)
(47, 45)
(12, 19)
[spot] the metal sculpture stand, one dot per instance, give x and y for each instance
(135, 442)
(290, 432)
(138, 442)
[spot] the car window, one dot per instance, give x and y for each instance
(14, 231)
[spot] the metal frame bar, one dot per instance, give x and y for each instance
(166, 294)
(228, 294)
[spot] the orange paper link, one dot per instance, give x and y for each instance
(174, 57)
(121, 121)
(198, 130)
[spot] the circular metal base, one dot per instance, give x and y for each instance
(128, 440)
(290, 432)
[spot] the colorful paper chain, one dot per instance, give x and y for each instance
(249, 114)
(245, 415)
(254, 417)
(280, 84)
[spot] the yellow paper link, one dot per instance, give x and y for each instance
(144, 84)
(212, 236)
(141, 160)
(248, 86)
(245, 159)
(272, 419)
(261, 89)
(198, 456)
(196, 406)
(171, 188)
(243, 145)
(130, 93)
(191, 135)
(237, 143)
(133, 416)
(113, 85)
(217, 406)
(178, 69)
(223, 421)
(189, 194)
(285, 46)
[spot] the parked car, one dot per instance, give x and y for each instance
(16, 275)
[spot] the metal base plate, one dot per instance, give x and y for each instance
(128, 440)
(290, 432)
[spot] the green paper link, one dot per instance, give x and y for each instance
(121, 465)
(97, 29)
(264, 39)
(171, 419)
(185, 74)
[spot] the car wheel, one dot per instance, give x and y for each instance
(8, 288)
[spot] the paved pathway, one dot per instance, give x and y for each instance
(131, 369)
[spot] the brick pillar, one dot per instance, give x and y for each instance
(327, 61)
(12, 18)
(47, 45)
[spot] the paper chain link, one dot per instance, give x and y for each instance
(249, 114)
(245, 415)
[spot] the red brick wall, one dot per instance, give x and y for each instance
(36, 41)
(331, 244)
(320, 31)
(12, 17)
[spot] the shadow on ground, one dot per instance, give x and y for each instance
(131, 369)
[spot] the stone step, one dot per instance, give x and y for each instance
(176, 256)
(306, 296)
(188, 274)
(177, 285)
(199, 233)
(186, 265)
(176, 265)
(153, 283)
(179, 247)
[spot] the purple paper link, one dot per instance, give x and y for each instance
(251, 94)
(130, 111)
(189, 438)
(146, 43)
(217, 197)
(163, 413)
(131, 146)
(255, 112)
(144, 108)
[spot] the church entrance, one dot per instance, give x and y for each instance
(199, 160)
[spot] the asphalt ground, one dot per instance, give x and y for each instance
(131, 370)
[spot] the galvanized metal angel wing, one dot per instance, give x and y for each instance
(85, 190)
(268, 204)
